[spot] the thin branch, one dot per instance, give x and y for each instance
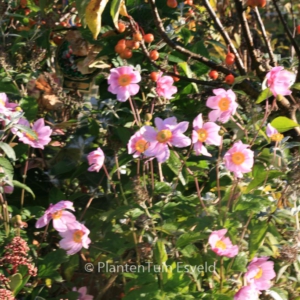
(225, 36)
(265, 37)
(290, 35)
(248, 37)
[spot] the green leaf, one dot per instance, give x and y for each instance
(174, 164)
(7, 167)
(160, 253)
(266, 93)
(30, 107)
(27, 130)
(115, 11)
(296, 86)
(257, 235)
(8, 150)
(15, 283)
(240, 263)
(186, 69)
(186, 35)
(283, 124)
(24, 187)
(250, 204)
(200, 48)
(188, 238)
(8, 87)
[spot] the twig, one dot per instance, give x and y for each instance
(248, 37)
(290, 35)
(225, 36)
(265, 37)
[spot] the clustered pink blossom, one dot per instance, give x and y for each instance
(95, 160)
(239, 159)
(164, 86)
(279, 81)
(167, 133)
(222, 245)
(258, 278)
(123, 82)
(15, 255)
(74, 234)
(83, 293)
(6, 294)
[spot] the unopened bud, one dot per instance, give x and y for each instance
(148, 117)
(221, 132)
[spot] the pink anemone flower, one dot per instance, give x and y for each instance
(279, 81)
(223, 104)
(164, 87)
(205, 133)
(239, 159)
(248, 292)
(83, 293)
(168, 133)
(58, 214)
(123, 82)
(273, 134)
(96, 160)
(137, 145)
(74, 238)
(259, 273)
(222, 245)
(42, 134)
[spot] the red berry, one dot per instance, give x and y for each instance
(126, 54)
(298, 29)
(213, 74)
(230, 57)
(172, 3)
(154, 76)
(149, 38)
(229, 79)
(154, 55)
(121, 27)
(188, 2)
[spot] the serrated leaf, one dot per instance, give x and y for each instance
(7, 167)
(258, 233)
(283, 124)
(160, 252)
(266, 93)
(24, 187)
(93, 16)
(8, 150)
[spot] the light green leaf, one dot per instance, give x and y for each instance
(174, 164)
(188, 238)
(283, 124)
(23, 186)
(296, 86)
(266, 93)
(27, 130)
(7, 167)
(257, 235)
(160, 252)
(8, 150)
(16, 283)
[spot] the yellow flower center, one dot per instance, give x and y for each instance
(259, 273)
(31, 137)
(57, 215)
(220, 244)
(2, 102)
(124, 80)
(202, 135)
(141, 145)
(77, 236)
(224, 104)
(164, 136)
(276, 137)
(238, 158)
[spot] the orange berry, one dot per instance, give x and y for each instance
(172, 3)
(129, 43)
(298, 29)
(175, 78)
(122, 42)
(188, 2)
(126, 54)
(121, 27)
(78, 24)
(27, 11)
(261, 3)
(64, 24)
(135, 45)
(119, 48)
(213, 74)
(230, 57)
(149, 38)
(229, 79)
(137, 37)
(23, 3)
(154, 76)
(57, 40)
(154, 55)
